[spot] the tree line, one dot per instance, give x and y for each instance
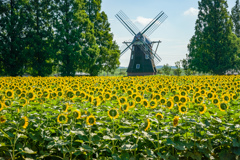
(68, 36)
(215, 46)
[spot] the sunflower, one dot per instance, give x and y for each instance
(183, 93)
(170, 104)
(53, 95)
(215, 101)
(65, 107)
(131, 104)
(147, 125)
(90, 99)
(30, 95)
(82, 94)
(153, 103)
(7, 103)
(124, 107)
(157, 96)
(234, 96)
(114, 97)
(210, 95)
(23, 101)
(200, 99)
(202, 108)
(139, 88)
(223, 106)
(176, 98)
(226, 97)
(163, 101)
(113, 113)
(96, 101)
(9, 94)
(70, 94)
(175, 121)
(18, 91)
(138, 99)
(145, 103)
(25, 122)
(62, 118)
(1, 106)
(91, 120)
(182, 109)
(77, 114)
(129, 92)
(3, 119)
(159, 116)
(107, 95)
(1, 97)
(183, 99)
(122, 100)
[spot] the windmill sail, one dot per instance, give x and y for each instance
(143, 57)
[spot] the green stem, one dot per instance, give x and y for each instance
(63, 140)
(14, 144)
(158, 136)
(90, 141)
(135, 151)
(113, 145)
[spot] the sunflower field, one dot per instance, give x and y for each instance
(151, 117)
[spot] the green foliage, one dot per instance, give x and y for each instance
(177, 71)
(186, 68)
(213, 48)
(166, 69)
(74, 38)
(57, 126)
(39, 36)
(12, 38)
(40, 52)
(108, 58)
(236, 18)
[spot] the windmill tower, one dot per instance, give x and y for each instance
(143, 58)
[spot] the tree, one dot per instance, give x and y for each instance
(186, 68)
(213, 47)
(108, 58)
(236, 18)
(178, 70)
(40, 38)
(12, 37)
(166, 69)
(74, 37)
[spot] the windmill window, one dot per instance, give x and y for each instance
(132, 56)
(133, 48)
(137, 66)
(146, 56)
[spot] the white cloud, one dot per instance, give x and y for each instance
(143, 21)
(191, 12)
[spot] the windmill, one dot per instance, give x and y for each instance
(143, 58)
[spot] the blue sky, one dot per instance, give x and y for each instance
(175, 32)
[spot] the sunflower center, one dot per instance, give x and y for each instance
(183, 109)
(169, 104)
(91, 120)
(201, 108)
(223, 106)
(215, 101)
(113, 112)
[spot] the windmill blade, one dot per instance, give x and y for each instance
(154, 24)
(127, 23)
(147, 49)
(157, 58)
(126, 48)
